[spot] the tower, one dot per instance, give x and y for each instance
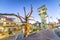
(42, 14)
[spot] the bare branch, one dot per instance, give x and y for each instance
(24, 12)
(27, 14)
(12, 15)
(20, 16)
(18, 13)
(30, 12)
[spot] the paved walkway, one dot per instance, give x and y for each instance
(11, 37)
(3, 36)
(39, 35)
(43, 35)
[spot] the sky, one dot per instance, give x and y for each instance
(14, 6)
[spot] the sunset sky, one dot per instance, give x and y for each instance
(14, 6)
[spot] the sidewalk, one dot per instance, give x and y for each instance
(3, 36)
(7, 35)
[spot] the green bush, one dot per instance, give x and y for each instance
(34, 29)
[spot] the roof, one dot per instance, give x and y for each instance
(7, 18)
